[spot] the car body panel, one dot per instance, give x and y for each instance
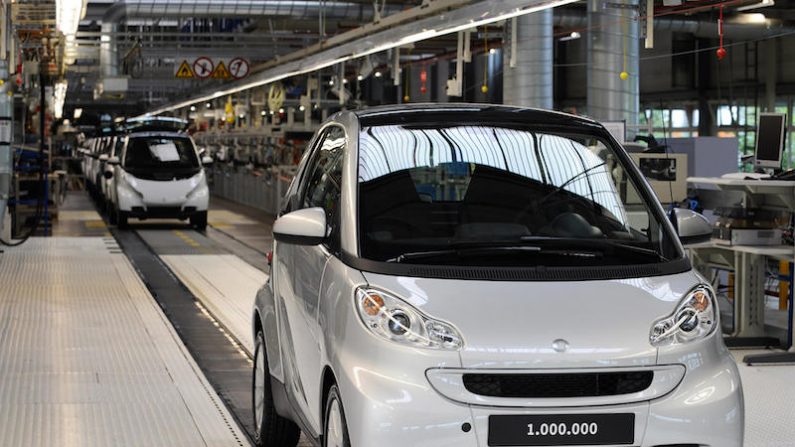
(312, 328)
(128, 192)
(532, 315)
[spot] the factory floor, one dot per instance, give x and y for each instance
(141, 337)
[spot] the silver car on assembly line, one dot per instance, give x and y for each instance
(477, 275)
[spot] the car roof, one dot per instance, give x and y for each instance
(470, 111)
(158, 133)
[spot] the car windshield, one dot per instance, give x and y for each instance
(160, 153)
(488, 195)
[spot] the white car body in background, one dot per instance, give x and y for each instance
(162, 189)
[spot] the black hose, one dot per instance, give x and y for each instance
(42, 177)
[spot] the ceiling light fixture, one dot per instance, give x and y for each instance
(573, 36)
(68, 14)
(484, 11)
(762, 4)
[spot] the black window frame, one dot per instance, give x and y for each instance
(333, 241)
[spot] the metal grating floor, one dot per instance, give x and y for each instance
(88, 359)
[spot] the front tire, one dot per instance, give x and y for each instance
(270, 429)
(122, 219)
(113, 214)
(335, 428)
(199, 220)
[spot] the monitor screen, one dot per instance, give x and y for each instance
(770, 139)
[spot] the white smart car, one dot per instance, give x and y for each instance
(467, 275)
(158, 174)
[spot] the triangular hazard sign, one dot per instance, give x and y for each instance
(221, 72)
(184, 71)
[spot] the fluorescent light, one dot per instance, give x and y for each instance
(573, 36)
(68, 14)
(752, 18)
(78, 113)
(302, 67)
(762, 4)
(58, 99)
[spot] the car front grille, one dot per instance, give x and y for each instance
(558, 385)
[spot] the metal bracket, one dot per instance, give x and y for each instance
(611, 5)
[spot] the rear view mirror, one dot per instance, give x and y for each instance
(206, 161)
(691, 226)
(302, 227)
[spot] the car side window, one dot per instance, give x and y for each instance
(323, 185)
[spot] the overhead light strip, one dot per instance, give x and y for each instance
(761, 4)
(279, 73)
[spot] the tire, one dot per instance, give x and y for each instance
(113, 214)
(199, 220)
(335, 427)
(270, 429)
(122, 220)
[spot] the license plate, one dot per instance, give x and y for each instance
(562, 429)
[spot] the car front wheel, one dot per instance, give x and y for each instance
(199, 220)
(270, 429)
(335, 431)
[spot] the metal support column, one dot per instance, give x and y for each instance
(527, 80)
(613, 46)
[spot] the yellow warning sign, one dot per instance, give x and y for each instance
(184, 71)
(221, 72)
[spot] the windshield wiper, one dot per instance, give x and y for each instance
(484, 250)
(597, 243)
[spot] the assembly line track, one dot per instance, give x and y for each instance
(226, 366)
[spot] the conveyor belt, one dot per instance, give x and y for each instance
(89, 359)
(225, 285)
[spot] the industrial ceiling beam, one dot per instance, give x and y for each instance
(466, 17)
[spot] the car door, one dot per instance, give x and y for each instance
(320, 187)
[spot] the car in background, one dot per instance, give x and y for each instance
(473, 275)
(158, 174)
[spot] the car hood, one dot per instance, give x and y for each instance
(516, 324)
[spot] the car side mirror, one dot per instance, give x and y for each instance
(302, 227)
(691, 226)
(207, 161)
(113, 161)
(108, 174)
(103, 157)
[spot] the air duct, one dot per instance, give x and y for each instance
(613, 47)
(527, 69)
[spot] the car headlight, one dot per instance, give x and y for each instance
(694, 318)
(394, 319)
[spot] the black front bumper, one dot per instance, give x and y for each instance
(164, 212)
